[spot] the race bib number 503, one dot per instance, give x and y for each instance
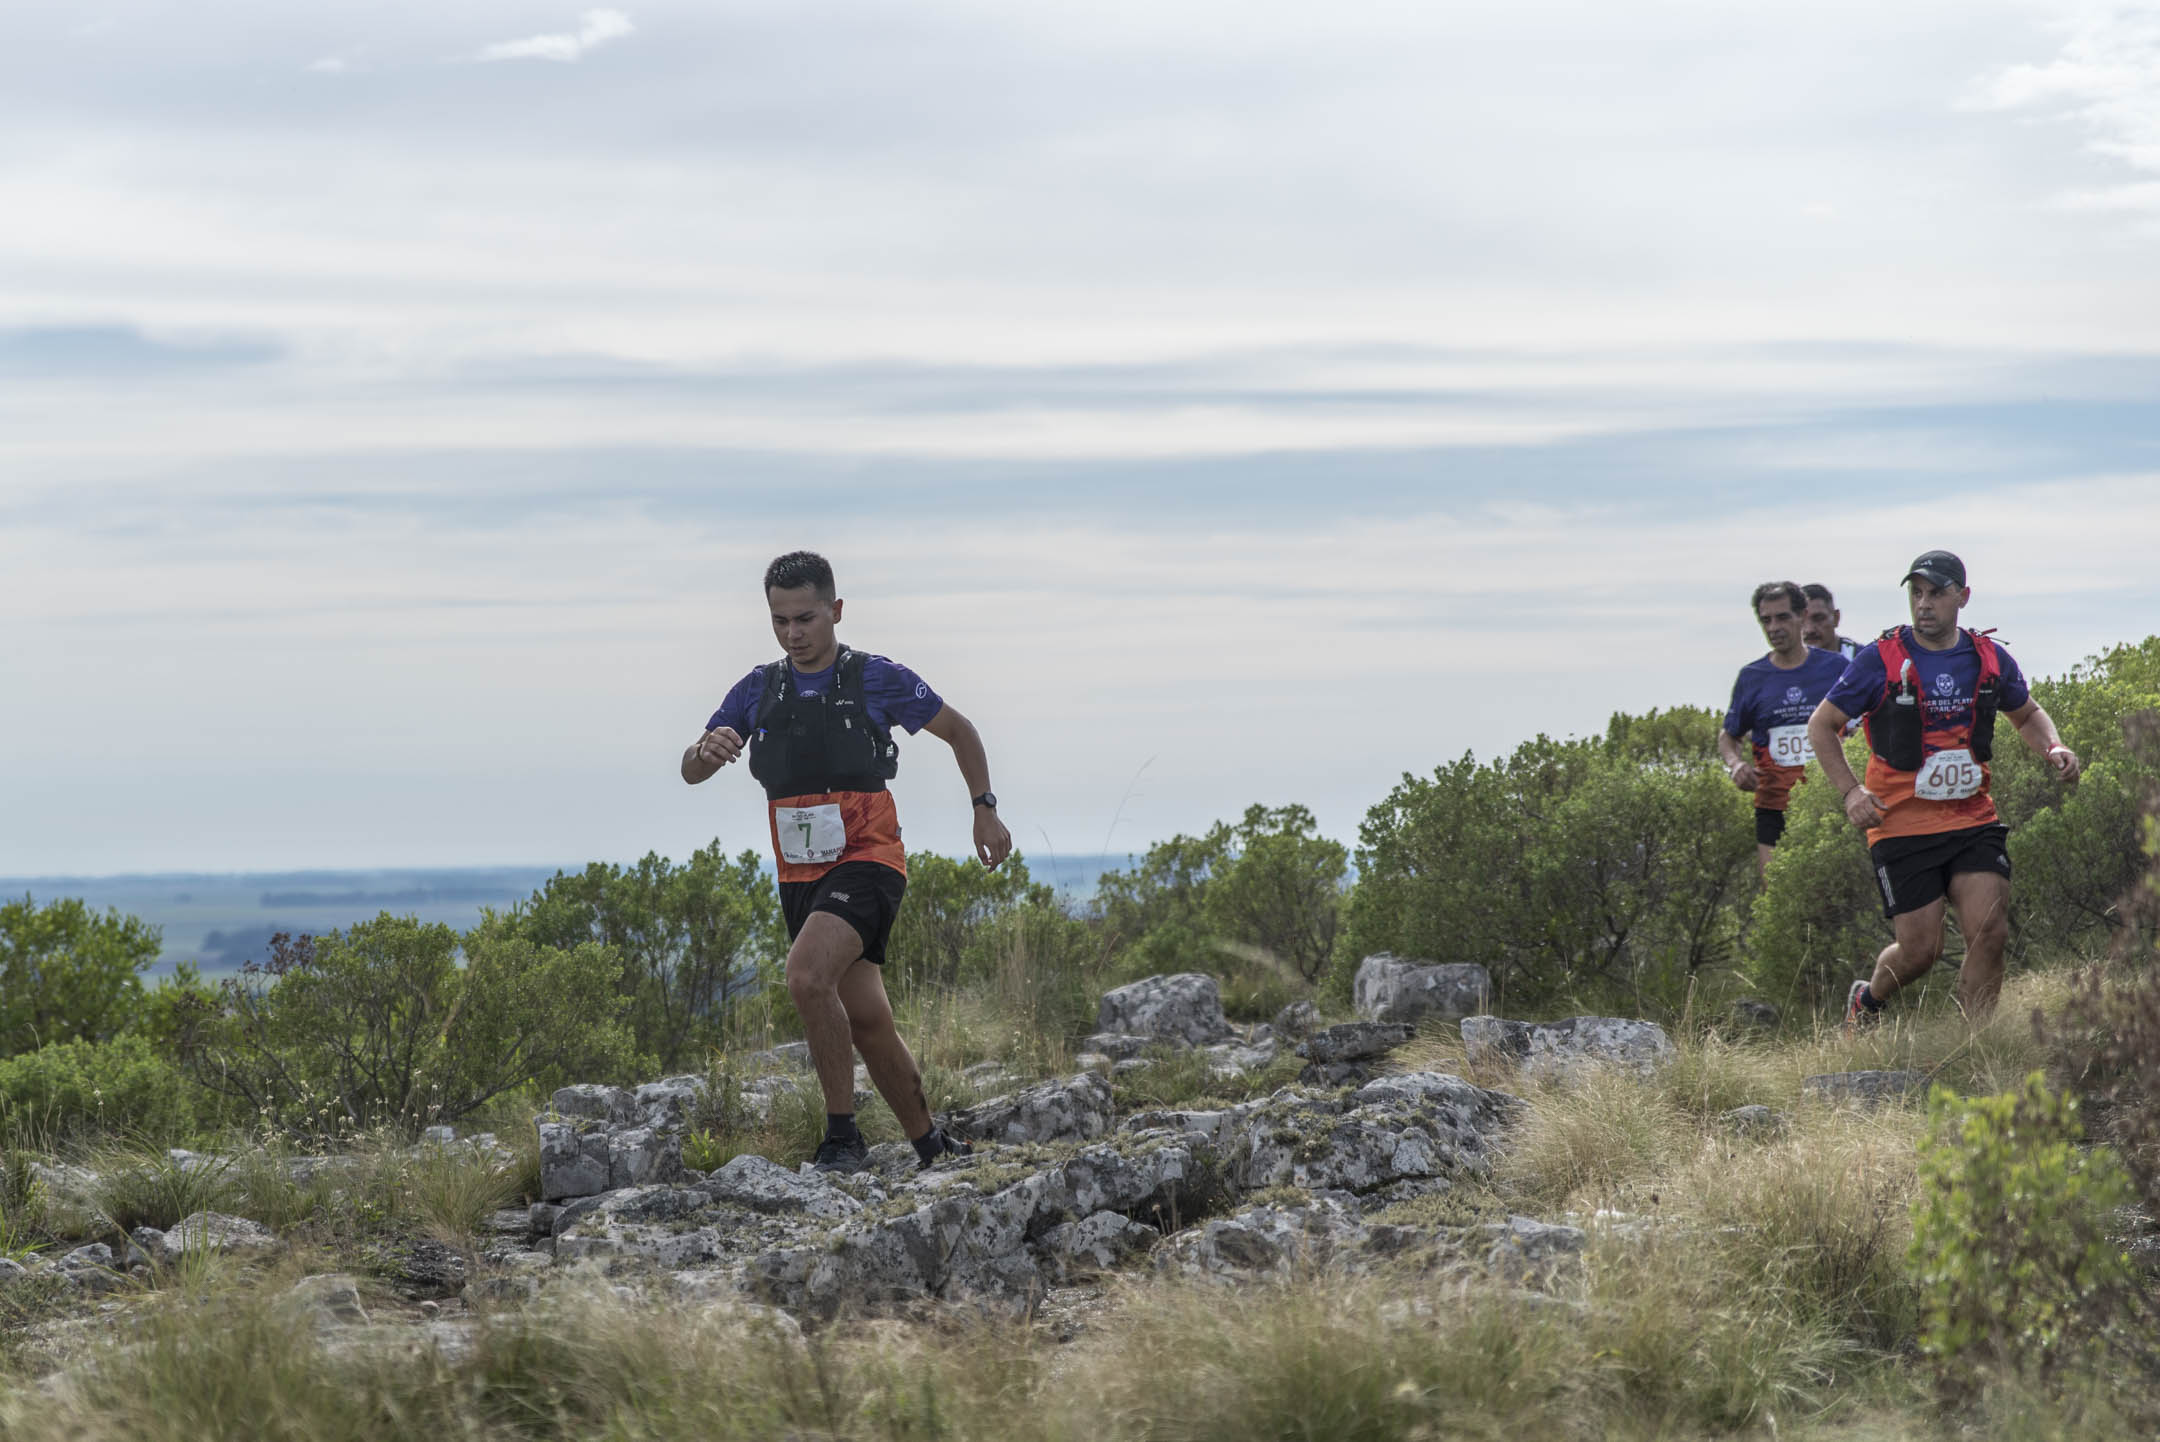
(810, 835)
(1948, 776)
(1789, 746)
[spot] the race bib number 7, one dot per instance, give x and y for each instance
(810, 835)
(1948, 776)
(1789, 746)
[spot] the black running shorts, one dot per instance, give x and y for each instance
(1915, 871)
(1769, 826)
(864, 894)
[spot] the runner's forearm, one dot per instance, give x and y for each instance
(1728, 746)
(968, 751)
(696, 768)
(2038, 731)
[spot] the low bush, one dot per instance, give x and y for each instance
(2013, 1236)
(82, 1088)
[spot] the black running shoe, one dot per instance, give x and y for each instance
(836, 1155)
(948, 1146)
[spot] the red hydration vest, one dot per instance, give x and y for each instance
(1896, 729)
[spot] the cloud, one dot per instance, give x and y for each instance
(595, 27)
(2106, 78)
(329, 65)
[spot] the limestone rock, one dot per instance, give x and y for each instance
(1186, 1006)
(1355, 1041)
(12, 1271)
(669, 1102)
(572, 1163)
(215, 1232)
(1524, 1248)
(1392, 988)
(1865, 1088)
(1424, 1124)
(332, 1299)
(1231, 1058)
(764, 1186)
(1097, 1243)
(1122, 1046)
(1077, 1108)
(1566, 1045)
(1270, 1240)
(639, 1155)
(1297, 1021)
(589, 1101)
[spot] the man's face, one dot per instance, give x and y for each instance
(802, 622)
(1935, 608)
(1820, 627)
(1780, 622)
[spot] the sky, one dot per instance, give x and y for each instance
(1218, 403)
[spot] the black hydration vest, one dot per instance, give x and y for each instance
(1896, 730)
(810, 745)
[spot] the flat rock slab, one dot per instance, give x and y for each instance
(215, 1232)
(1865, 1088)
(1424, 1124)
(1355, 1041)
(1186, 1006)
(1388, 987)
(1574, 1042)
(1076, 1108)
(765, 1186)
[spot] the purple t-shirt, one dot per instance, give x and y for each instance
(1764, 696)
(893, 695)
(1947, 681)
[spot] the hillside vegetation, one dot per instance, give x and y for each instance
(1971, 1256)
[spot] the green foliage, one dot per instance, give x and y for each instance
(80, 1088)
(139, 1187)
(937, 937)
(1817, 922)
(1600, 872)
(1258, 903)
(2011, 1233)
(691, 938)
(380, 1025)
(68, 974)
(2105, 1048)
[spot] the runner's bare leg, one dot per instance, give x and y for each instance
(1918, 945)
(1982, 899)
(885, 1056)
(823, 951)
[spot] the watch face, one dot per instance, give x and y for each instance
(988, 798)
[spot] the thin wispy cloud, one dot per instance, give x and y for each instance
(2106, 78)
(329, 65)
(595, 27)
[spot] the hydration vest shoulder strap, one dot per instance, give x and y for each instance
(1990, 658)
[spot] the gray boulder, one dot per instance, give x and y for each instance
(1392, 988)
(1868, 1089)
(1566, 1045)
(1355, 1041)
(1097, 1243)
(669, 1102)
(572, 1163)
(1524, 1248)
(1297, 1020)
(331, 1299)
(1425, 1124)
(589, 1101)
(216, 1232)
(12, 1271)
(765, 1186)
(1077, 1108)
(640, 1155)
(1186, 1006)
(1230, 1058)
(1276, 1240)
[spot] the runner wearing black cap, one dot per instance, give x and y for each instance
(1820, 626)
(1930, 692)
(1771, 701)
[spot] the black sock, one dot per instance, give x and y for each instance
(930, 1146)
(1867, 999)
(840, 1127)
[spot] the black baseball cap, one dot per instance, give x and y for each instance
(1940, 567)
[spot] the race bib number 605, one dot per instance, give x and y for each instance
(1948, 776)
(810, 835)
(1789, 746)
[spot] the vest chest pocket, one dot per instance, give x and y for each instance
(1789, 746)
(810, 835)
(1948, 776)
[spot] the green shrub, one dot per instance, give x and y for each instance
(81, 1088)
(381, 1026)
(1582, 873)
(68, 974)
(691, 939)
(949, 906)
(2011, 1233)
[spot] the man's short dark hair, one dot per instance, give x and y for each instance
(797, 569)
(1788, 589)
(1817, 591)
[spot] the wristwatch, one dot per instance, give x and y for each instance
(988, 798)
